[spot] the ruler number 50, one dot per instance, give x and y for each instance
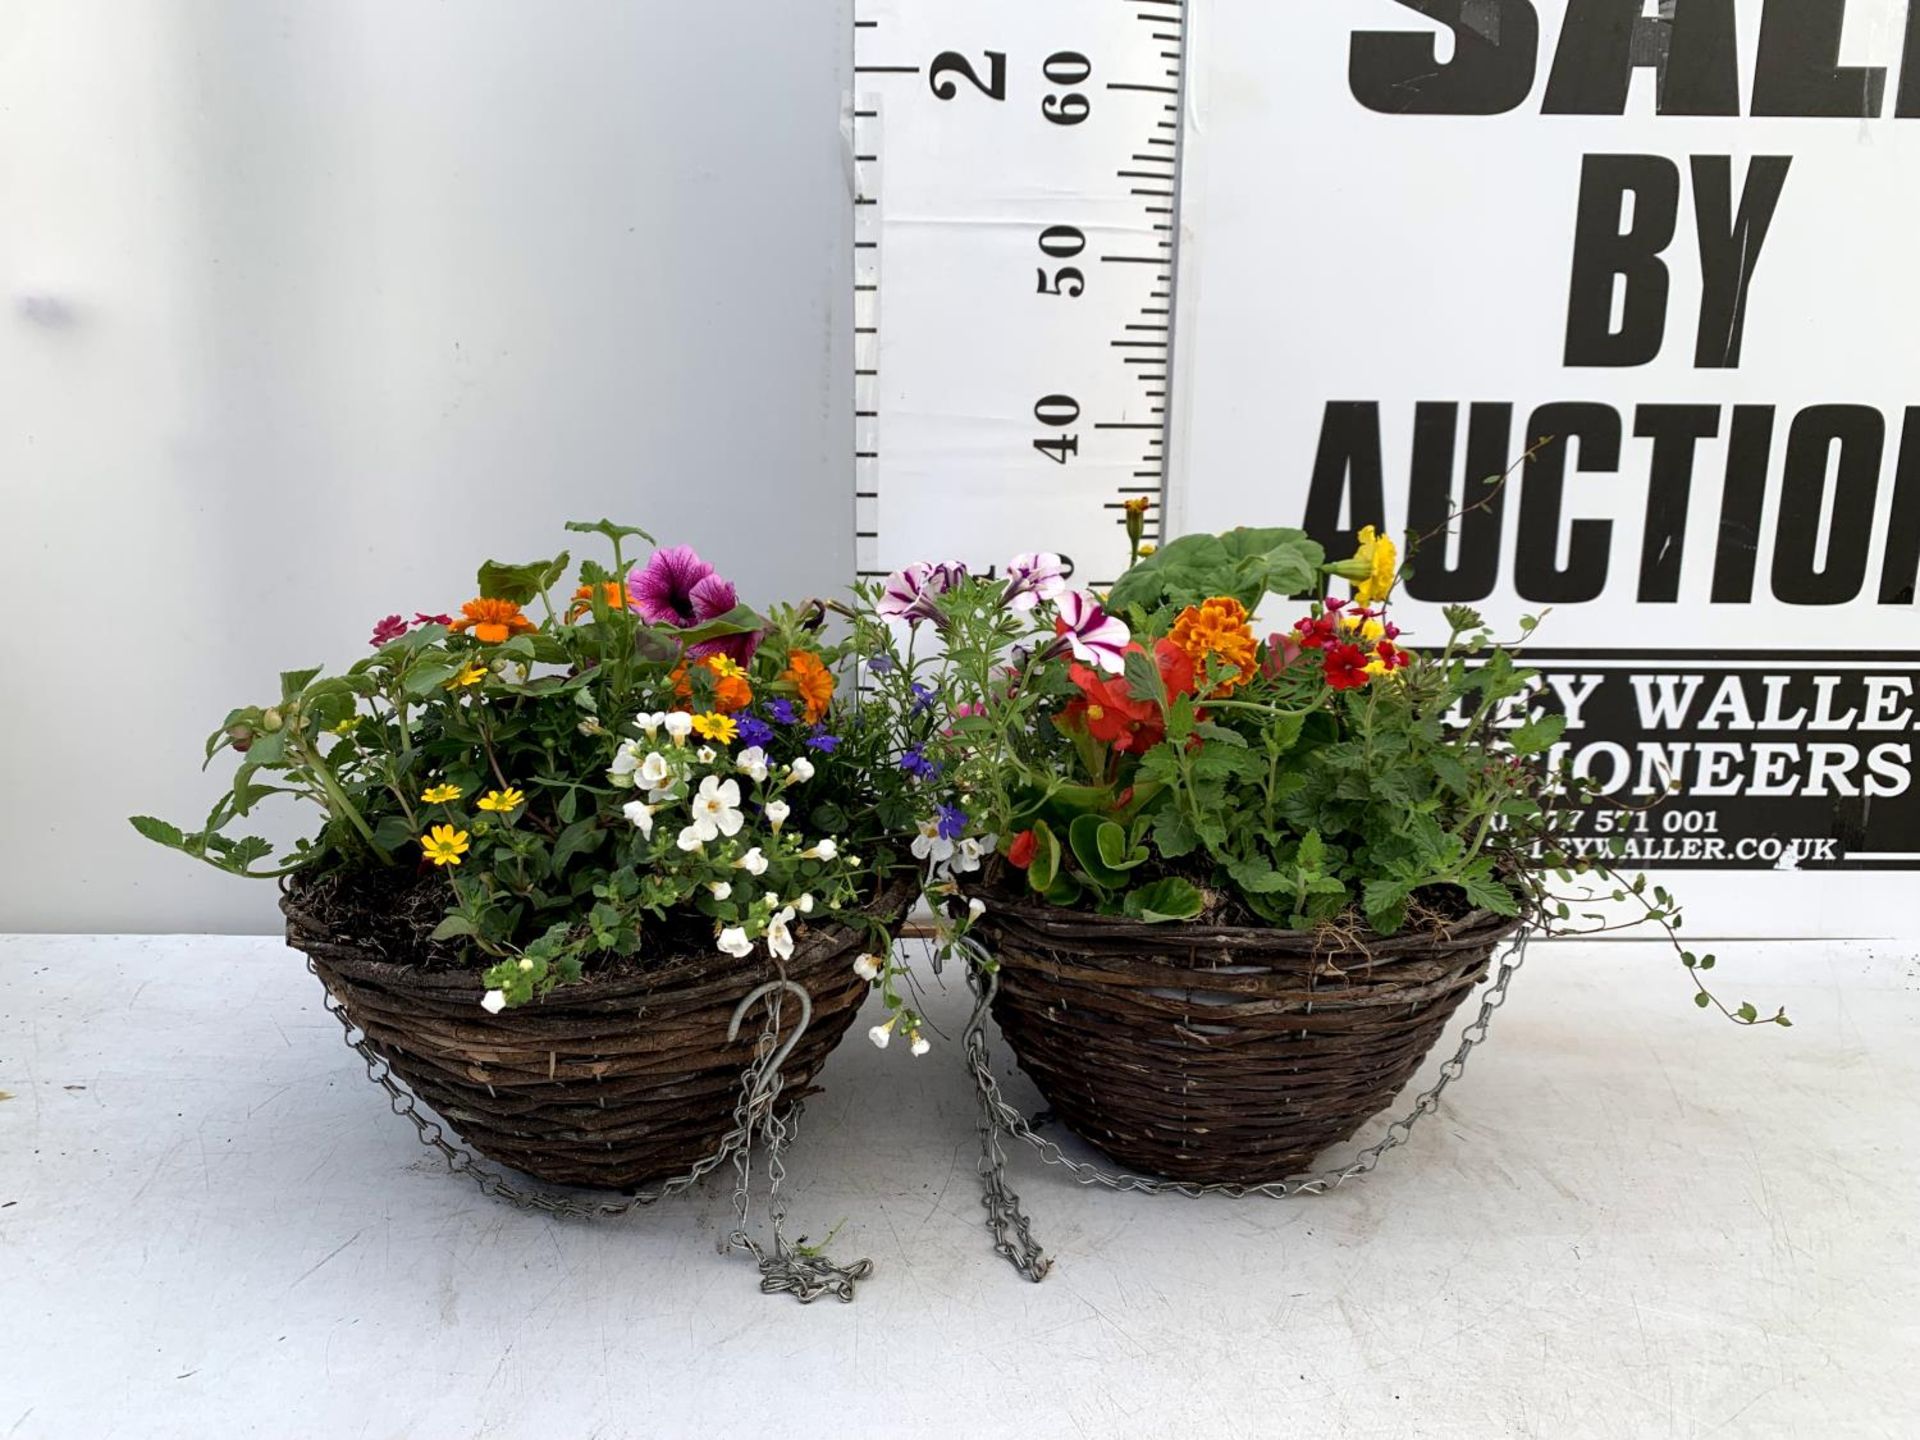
(1062, 242)
(1058, 411)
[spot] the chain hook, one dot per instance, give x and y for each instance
(768, 1080)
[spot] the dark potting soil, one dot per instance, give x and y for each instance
(392, 914)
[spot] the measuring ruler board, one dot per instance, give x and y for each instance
(1016, 237)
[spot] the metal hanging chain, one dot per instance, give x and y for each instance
(1010, 1226)
(783, 1270)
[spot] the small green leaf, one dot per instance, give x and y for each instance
(1169, 899)
(613, 532)
(1313, 852)
(423, 680)
(1537, 736)
(520, 583)
(158, 831)
(1045, 866)
(454, 925)
(1703, 1000)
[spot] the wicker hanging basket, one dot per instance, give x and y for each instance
(1221, 1054)
(609, 1082)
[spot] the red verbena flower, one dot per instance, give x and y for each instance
(1345, 666)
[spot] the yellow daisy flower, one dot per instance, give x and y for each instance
(471, 675)
(715, 726)
(440, 794)
(444, 845)
(501, 801)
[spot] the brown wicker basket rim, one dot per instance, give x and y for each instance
(890, 901)
(1476, 928)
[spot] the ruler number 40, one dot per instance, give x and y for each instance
(1058, 411)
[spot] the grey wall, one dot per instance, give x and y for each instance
(309, 307)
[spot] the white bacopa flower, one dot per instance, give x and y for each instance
(967, 854)
(881, 1035)
(641, 815)
(689, 838)
(678, 724)
(706, 754)
(779, 937)
(801, 769)
(655, 771)
(721, 889)
(921, 1045)
(716, 808)
(494, 1001)
(649, 723)
(930, 844)
(777, 813)
(824, 850)
(753, 862)
(733, 941)
(976, 908)
(867, 967)
(626, 763)
(804, 904)
(752, 762)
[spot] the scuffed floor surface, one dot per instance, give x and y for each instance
(1629, 1220)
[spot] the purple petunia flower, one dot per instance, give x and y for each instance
(676, 587)
(782, 710)
(1095, 637)
(754, 731)
(392, 627)
(916, 764)
(1033, 577)
(823, 742)
(952, 823)
(912, 594)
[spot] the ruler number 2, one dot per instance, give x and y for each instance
(1062, 242)
(994, 87)
(1057, 411)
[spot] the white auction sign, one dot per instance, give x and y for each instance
(1417, 237)
(1679, 239)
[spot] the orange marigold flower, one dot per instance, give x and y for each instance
(492, 621)
(1218, 629)
(731, 690)
(612, 591)
(812, 680)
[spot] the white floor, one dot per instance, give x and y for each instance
(1628, 1221)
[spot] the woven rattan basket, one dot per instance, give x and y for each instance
(1217, 1054)
(609, 1082)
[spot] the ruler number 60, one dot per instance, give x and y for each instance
(994, 87)
(1067, 67)
(1058, 411)
(1062, 242)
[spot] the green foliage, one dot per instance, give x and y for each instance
(539, 782)
(1323, 777)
